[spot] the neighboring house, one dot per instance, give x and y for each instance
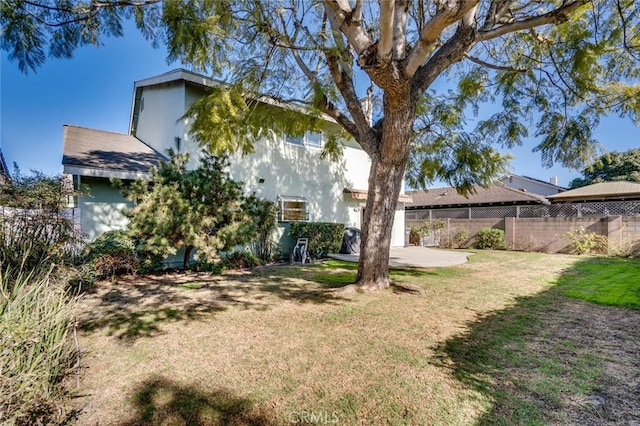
(525, 183)
(286, 170)
(495, 201)
(603, 191)
(619, 198)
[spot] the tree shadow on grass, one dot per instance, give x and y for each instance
(135, 307)
(161, 401)
(551, 359)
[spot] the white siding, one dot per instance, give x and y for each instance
(159, 117)
(101, 210)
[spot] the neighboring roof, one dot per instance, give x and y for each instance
(538, 181)
(618, 190)
(496, 194)
(91, 152)
(363, 194)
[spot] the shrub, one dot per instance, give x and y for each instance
(490, 238)
(417, 233)
(36, 317)
(261, 225)
(582, 241)
(240, 260)
(456, 238)
(35, 229)
(324, 238)
(113, 253)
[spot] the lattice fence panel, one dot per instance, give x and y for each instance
(493, 212)
(450, 214)
(611, 208)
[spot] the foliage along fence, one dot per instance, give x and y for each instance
(544, 233)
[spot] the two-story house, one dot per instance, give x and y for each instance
(287, 170)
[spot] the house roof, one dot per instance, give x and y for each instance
(91, 152)
(538, 181)
(618, 190)
(363, 194)
(496, 194)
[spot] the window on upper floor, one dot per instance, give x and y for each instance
(313, 139)
(292, 209)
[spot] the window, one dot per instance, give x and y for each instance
(292, 209)
(314, 139)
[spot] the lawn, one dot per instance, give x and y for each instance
(500, 340)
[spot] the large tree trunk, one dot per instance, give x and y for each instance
(385, 181)
(187, 256)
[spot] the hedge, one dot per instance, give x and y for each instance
(324, 238)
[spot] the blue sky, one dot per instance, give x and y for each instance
(94, 89)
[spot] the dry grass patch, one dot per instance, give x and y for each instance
(282, 344)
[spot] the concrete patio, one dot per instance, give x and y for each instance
(419, 257)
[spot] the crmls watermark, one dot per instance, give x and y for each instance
(313, 417)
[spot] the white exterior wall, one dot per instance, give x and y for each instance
(516, 182)
(101, 211)
(287, 169)
(159, 120)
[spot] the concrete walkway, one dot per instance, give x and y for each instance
(420, 257)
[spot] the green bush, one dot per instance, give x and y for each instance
(490, 238)
(455, 238)
(240, 260)
(36, 351)
(583, 241)
(324, 238)
(113, 253)
(261, 224)
(116, 252)
(35, 230)
(415, 235)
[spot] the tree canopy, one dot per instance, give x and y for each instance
(519, 68)
(610, 167)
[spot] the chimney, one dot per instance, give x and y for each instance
(554, 180)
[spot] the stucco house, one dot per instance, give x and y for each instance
(286, 170)
(529, 184)
(497, 200)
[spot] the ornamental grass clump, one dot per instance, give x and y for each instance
(36, 349)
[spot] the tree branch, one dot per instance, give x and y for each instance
(560, 14)
(352, 29)
(399, 29)
(432, 31)
(493, 66)
(385, 44)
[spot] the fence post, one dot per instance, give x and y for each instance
(510, 231)
(517, 211)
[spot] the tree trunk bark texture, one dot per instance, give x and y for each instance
(385, 181)
(187, 256)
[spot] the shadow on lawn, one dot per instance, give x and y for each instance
(551, 359)
(135, 307)
(161, 401)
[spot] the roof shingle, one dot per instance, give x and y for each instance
(494, 194)
(600, 191)
(106, 151)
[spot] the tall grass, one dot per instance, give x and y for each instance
(36, 351)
